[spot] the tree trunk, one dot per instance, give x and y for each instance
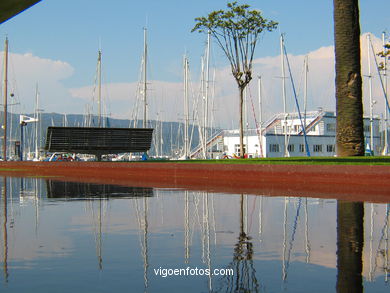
(349, 107)
(242, 150)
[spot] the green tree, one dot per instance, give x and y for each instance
(237, 31)
(349, 106)
(384, 54)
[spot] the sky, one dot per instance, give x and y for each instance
(54, 46)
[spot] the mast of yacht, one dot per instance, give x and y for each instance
(99, 88)
(385, 87)
(370, 93)
(260, 132)
(206, 94)
(306, 66)
(186, 109)
(37, 120)
(284, 95)
(5, 98)
(144, 123)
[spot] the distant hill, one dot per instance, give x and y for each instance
(171, 136)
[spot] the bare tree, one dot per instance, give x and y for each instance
(237, 31)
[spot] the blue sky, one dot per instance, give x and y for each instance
(70, 32)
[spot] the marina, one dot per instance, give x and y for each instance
(170, 169)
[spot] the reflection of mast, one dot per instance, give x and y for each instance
(261, 219)
(98, 232)
(5, 231)
(186, 228)
(99, 241)
(36, 203)
(386, 234)
(145, 243)
(143, 225)
(284, 273)
(206, 235)
(307, 243)
(371, 274)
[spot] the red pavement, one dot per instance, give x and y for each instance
(345, 182)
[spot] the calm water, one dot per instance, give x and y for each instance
(72, 237)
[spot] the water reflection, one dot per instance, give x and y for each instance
(113, 239)
(244, 278)
(5, 231)
(350, 238)
(60, 189)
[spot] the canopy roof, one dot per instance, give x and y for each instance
(10, 8)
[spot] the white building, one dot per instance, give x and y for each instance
(270, 141)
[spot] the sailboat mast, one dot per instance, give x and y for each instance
(385, 86)
(306, 65)
(144, 79)
(207, 92)
(284, 95)
(370, 93)
(260, 103)
(36, 120)
(186, 109)
(99, 88)
(5, 98)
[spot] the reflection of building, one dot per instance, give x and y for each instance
(270, 142)
(59, 189)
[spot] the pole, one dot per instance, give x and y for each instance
(5, 98)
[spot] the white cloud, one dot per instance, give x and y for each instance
(27, 71)
(167, 97)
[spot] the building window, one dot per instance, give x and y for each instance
(317, 148)
(301, 148)
(331, 127)
(366, 128)
(297, 128)
(291, 148)
(237, 148)
(274, 148)
(330, 148)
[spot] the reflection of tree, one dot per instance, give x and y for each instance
(349, 246)
(244, 277)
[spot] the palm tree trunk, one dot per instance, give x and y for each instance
(349, 107)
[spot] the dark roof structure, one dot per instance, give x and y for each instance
(10, 8)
